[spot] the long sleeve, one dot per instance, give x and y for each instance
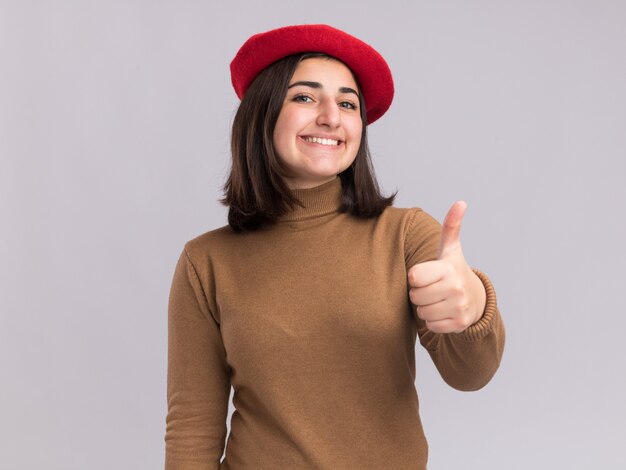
(198, 378)
(467, 360)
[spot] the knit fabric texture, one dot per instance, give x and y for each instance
(310, 321)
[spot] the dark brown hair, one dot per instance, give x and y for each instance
(255, 191)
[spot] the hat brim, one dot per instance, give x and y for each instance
(370, 68)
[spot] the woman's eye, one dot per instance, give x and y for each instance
(301, 98)
(350, 105)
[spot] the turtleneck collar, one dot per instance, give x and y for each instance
(317, 201)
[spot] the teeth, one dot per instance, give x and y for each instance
(317, 140)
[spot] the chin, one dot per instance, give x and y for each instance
(325, 175)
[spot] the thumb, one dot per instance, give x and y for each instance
(451, 228)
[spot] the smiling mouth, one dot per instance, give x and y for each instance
(324, 142)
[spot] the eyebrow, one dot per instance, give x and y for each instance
(343, 89)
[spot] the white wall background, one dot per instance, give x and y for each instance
(114, 141)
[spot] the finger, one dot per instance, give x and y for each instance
(443, 326)
(428, 295)
(451, 228)
(426, 273)
(434, 312)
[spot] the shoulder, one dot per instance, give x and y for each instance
(409, 220)
(201, 246)
(419, 230)
(210, 236)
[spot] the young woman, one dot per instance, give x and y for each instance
(309, 302)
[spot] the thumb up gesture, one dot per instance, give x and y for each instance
(449, 296)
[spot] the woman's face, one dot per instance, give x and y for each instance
(321, 103)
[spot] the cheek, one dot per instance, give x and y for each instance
(359, 133)
(356, 132)
(286, 129)
(279, 133)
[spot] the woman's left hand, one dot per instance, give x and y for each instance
(449, 296)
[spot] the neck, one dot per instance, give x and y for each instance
(316, 201)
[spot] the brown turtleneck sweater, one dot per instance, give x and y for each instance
(310, 322)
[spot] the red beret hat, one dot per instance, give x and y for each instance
(366, 63)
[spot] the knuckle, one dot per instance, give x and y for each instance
(458, 287)
(457, 309)
(464, 321)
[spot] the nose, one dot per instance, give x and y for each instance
(329, 114)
